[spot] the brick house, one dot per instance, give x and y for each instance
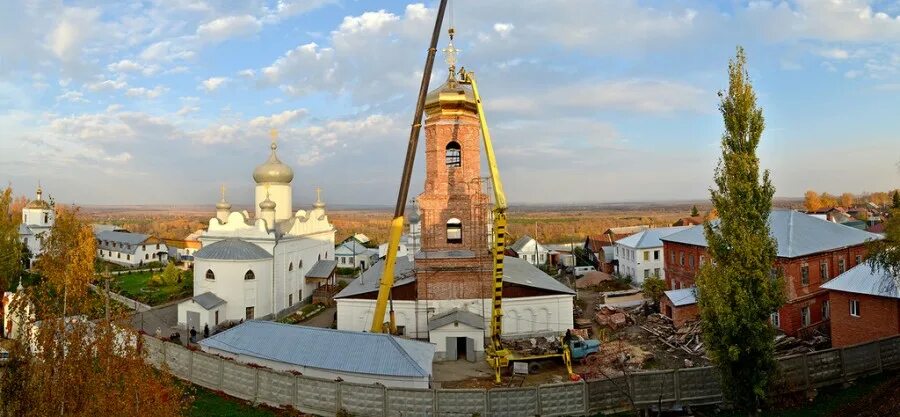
(810, 252)
(680, 306)
(865, 306)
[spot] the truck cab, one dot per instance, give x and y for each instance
(580, 349)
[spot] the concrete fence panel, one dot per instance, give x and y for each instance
(860, 360)
(275, 388)
(563, 399)
(410, 402)
(513, 402)
(699, 385)
(791, 374)
(608, 394)
(890, 352)
(156, 354)
(461, 402)
(316, 396)
(824, 367)
(653, 387)
(206, 370)
(362, 400)
(239, 380)
(178, 360)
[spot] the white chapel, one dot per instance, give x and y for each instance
(264, 265)
(37, 220)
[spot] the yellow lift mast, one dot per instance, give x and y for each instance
(497, 355)
(387, 275)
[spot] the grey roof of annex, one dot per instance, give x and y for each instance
(862, 279)
(232, 249)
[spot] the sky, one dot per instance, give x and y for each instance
(163, 101)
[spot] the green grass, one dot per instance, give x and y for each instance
(132, 286)
(207, 403)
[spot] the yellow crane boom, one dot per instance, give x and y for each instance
(497, 355)
(387, 275)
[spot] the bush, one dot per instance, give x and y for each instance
(653, 288)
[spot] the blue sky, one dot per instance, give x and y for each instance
(160, 102)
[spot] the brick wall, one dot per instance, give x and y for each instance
(799, 293)
(878, 317)
(679, 315)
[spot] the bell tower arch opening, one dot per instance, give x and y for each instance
(453, 155)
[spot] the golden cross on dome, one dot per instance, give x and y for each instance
(223, 192)
(450, 52)
(318, 194)
(274, 134)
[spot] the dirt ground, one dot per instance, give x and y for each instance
(883, 401)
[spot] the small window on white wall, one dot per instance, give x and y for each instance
(210, 275)
(249, 276)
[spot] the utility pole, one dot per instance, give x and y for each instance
(106, 276)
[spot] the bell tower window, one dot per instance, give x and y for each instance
(453, 157)
(454, 231)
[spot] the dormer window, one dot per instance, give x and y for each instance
(453, 157)
(454, 231)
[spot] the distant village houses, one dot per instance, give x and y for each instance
(530, 250)
(130, 249)
(640, 256)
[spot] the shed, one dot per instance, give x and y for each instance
(680, 305)
(457, 334)
(358, 357)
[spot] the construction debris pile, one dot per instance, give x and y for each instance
(534, 345)
(688, 338)
(613, 317)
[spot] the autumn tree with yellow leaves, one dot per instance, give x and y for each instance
(65, 362)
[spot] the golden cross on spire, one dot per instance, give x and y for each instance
(223, 192)
(318, 194)
(274, 134)
(450, 52)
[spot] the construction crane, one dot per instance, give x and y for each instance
(387, 275)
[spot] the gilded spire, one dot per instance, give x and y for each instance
(319, 203)
(274, 134)
(223, 204)
(267, 204)
(450, 55)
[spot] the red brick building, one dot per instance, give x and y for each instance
(865, 306)
(811, 251)
(680, 306)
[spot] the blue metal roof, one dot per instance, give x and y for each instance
(232, 249)
(796, 234)
(649, 238)
(862, 279)
(327, 349)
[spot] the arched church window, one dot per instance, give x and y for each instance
(249, 276)
(454, 231)
(300, 263)
(453, 156)
(291, 267)
(210, 275)
(46, 218)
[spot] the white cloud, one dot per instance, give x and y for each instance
(228, 27)
(107, 85)
(125, 65)
(835, 53)
(145, 92)
(853, 74)
(166, 51)
(247, 73)
(187, 109)
(72, 97)
(213, 83)
(118, 158)
(287, 8)
(74, 29)
(636, 95)
(280, 119)
(367, 22)
(503, 29)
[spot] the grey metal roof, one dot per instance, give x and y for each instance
(323, 268)
(796, 234)
(327, 349)
(208, 300)
(649, 238)
(24, 230)
(232, 249)
(350, 247)
(515, 271)
(862, 279)
(682, 297)
(125, 242)
(520, 244)
(456, 315)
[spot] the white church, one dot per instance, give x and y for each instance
(260, 266)
(37, 219)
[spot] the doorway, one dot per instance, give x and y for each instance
(460, 348)
(193, 320)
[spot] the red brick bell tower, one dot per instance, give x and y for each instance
(453, 262)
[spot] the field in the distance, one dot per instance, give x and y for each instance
(550, 224)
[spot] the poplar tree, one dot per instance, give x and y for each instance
(10, 246)
(737, 293)
(896, 199)
(694, 211)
